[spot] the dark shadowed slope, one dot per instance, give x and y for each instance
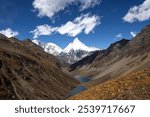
(27, 72)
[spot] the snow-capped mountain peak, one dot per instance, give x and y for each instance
(49, 47)
(78, 45)
(38, 42)
(75, 51)
(52, 49)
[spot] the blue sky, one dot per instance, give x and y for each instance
(97, 23)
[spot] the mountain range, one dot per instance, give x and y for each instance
(122, 71)
(74, 52)
(34, 70)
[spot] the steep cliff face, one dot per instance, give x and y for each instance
(27, 72)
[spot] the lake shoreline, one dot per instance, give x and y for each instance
(79, 88)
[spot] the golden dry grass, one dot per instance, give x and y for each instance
(135, 85)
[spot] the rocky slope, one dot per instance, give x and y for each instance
(119, 59)
(104, 55)
(120, 72)
(135, 85)
(27, 72)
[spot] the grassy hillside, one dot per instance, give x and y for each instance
(135, 85)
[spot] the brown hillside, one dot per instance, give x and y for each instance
(27, 72)
(135, 85)
(117, 60)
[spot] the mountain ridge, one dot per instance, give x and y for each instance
(116, 60)
(117, 72)
(74, 52)
(89, 59)
(28, 72)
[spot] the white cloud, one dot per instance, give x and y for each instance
(9, 33)
(43, 30)
(50, 7)
(133, 34)
(88, 3)
(138, 13)
(119, 36)
(84, 23)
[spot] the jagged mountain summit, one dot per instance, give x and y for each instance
(74, 52)
(122, 71)
(49, 47)
(106, 55)
(77, 50)
(78, 45)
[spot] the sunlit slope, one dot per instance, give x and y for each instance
(135, 85)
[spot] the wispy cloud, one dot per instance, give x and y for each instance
(119, 36)
(43, 30)
(50, 7)
(9, 32)
(133, 34)
(138, 13)
(84, 23)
